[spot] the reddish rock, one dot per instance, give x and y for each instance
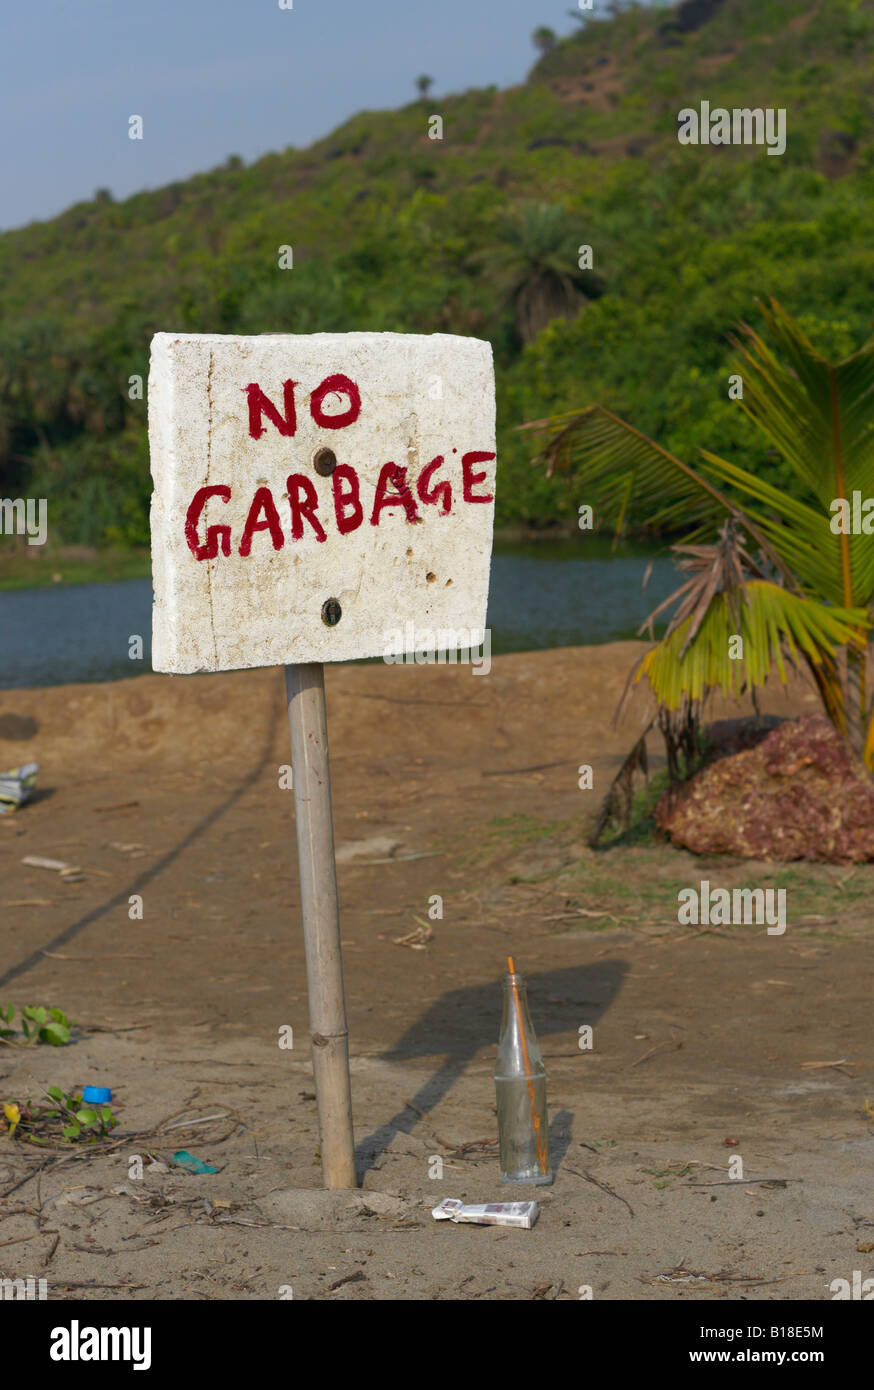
(799, 794)
(726, 736)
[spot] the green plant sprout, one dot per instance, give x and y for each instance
(36, 1024)
(66, 1119)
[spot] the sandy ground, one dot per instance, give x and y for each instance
(168, 789)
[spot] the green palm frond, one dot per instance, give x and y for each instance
(616, 462)
(798, 531)
(820, 416)
(775, 626)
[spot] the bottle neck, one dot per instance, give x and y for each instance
(518, 1052)
(514, 987)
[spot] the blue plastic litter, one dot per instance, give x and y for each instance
(183, 1159)
(97, 1095)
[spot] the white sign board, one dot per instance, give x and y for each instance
(315, 495)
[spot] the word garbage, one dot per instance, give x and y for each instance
(392, 490)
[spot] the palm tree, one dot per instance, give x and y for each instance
(544, 39)
(424, 85)
(534, 268)
(732, 595)
(810, 591)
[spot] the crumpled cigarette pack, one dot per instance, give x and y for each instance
(488, 1213)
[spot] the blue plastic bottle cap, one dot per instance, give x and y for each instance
(98, 1095)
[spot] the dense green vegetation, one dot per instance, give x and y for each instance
(478, 233)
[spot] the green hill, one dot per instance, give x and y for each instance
(478, 233)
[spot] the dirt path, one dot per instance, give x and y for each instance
(466, 787)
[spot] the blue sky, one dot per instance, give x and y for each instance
(217, 77)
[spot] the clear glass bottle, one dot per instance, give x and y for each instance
(520, 1086)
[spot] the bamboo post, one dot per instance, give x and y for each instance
(307, 720)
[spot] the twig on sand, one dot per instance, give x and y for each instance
(746, 1182)
(16, 1240)
(670, 1046)
(417, 939)
(840, 1065)
(347, 1279)
(187, 1124)
(460, 1150)
(603, 1186)
(99, 1028)
(569, 916)
(7, 1192)
(105, 955)
(121, 1288)
(680, 1275)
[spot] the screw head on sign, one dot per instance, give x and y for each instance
(331, 612)
(324, 462)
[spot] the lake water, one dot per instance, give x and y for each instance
(543, 594)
